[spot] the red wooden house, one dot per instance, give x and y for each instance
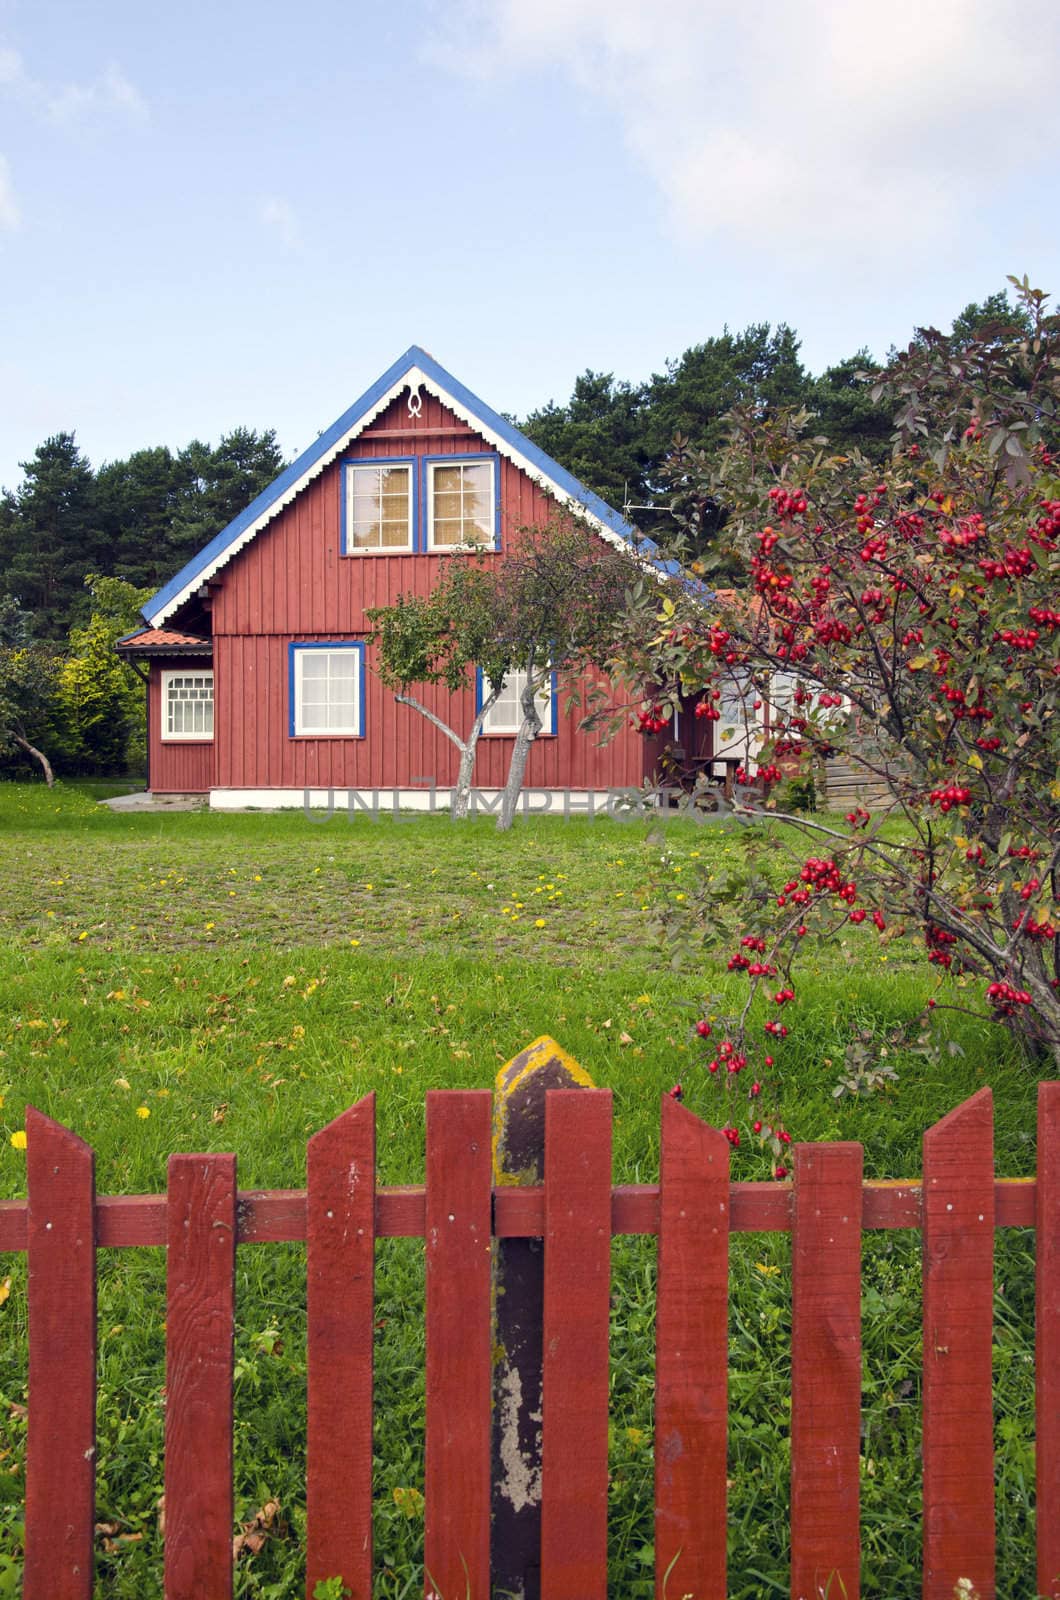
(261, 684)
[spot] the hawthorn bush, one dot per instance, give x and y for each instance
(914, 613)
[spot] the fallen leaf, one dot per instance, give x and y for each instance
(256, 1531)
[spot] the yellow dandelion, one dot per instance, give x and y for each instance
(539, 922)
(355, 942)
(143, 1112)
(18, 1139)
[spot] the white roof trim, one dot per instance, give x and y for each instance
(412, 377)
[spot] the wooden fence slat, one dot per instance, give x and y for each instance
(340, 1303)
(1047, 1339)
(958, 1295)
(61, 1446)
(459, 1342)
(826, 1372)
(200, 1303)
(576, 1325)
(691, 1357)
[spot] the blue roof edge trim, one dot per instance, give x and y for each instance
(414, 356)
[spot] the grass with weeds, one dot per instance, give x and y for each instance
(193, 981)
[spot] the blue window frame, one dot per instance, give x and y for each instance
(326, 689)
(379, 506)
(405, 505)
(461, 499)
(505, 717)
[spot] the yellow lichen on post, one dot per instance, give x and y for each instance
(519, 1099)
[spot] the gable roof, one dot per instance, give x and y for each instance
(414, 368)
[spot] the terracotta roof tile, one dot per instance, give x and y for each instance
(162, 639)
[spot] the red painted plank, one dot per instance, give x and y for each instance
(200, 1291)
(278, 1215)
(1047, 1340)
(61, 1448)
(958, 1295)
(575, 1375)
(826, 1371)
(340, 1268)
(691, 1357)
(459, 1342)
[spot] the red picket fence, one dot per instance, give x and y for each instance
(693, 1210)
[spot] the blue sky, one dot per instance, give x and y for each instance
(236, 213)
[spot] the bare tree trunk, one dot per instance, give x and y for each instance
(529, 729)
(461, 796)
(38, 755)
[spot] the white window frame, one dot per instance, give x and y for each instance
(432, 466)
(349, 478)
(300, 650)
(168, 736)
(514, 683)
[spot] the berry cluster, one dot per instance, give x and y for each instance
(954, 794)
(1005, 998)
(652, 720)
(788, 505)
(938, 941)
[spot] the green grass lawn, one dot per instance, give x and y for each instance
(242, 979)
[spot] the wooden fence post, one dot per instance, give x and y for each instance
(518, 1297)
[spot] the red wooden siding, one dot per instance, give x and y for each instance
(177, 766)
(255, 748)
(292, 582)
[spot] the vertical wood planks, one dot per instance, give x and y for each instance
(459, 1347)
(340, 1284)
(1047, 1339)
(826, 1371)
(691, 1357)
(958, 1228)
(61, 1450)
(576, 1317)
(200, 1295)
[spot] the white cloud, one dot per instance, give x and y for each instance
(279, 215)
(9, 213)
(109, 92)
(797, 126)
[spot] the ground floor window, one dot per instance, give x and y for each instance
(327, 689)
(505, 715)
(187, 705)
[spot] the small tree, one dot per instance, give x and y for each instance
(549, 606)
(28, 672)
(557, 597)
(441, 638)
(99, 697)
(914, 610)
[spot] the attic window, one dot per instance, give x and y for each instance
(187, 705)
(462, 503)
(377, 507)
